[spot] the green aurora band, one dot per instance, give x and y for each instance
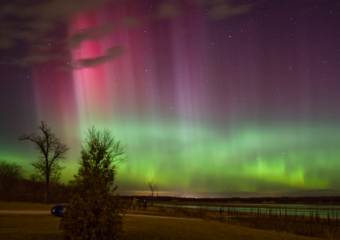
(202, 161)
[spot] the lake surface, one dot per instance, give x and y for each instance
(320, 211)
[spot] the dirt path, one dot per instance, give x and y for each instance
(24, 212)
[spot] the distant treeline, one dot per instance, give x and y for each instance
(322, 200)
(15, 187)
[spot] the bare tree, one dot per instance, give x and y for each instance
(51, 150)
(152, 187)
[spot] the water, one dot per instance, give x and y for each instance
(332, 212)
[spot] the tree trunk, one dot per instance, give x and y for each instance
(47, 187)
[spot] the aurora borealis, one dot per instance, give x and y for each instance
(210, 100)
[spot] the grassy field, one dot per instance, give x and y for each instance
(44, 227)
(180, 229)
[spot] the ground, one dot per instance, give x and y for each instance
(42, 226)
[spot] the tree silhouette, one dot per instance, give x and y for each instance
(153, 188)
(10, 175)
(94, 211)
(51, 150)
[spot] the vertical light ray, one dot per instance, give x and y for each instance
(203, 106)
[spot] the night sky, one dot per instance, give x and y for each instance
(210, 98)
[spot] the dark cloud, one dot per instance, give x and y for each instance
(217, 9)
(111, 53)
(222, 9)
(90, 33)
(168, 9)
(37, 23)
(21, 20)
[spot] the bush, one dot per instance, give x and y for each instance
(10, 177)
(94, 212)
